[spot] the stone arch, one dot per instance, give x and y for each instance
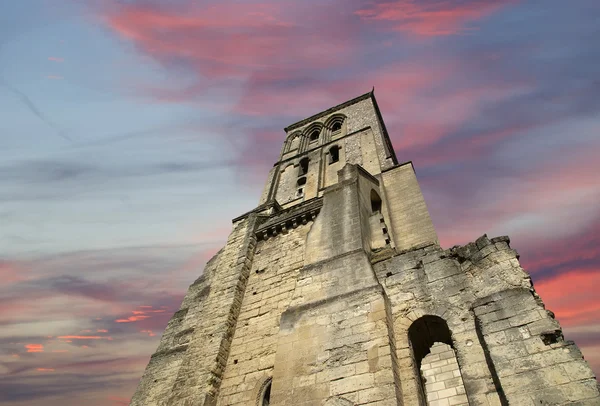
(437, 369)
(262, 391)
(310, 131)
(293, 142)
(335, 125)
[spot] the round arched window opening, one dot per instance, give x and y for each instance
(337, 126)
(265, 397)
(314, 135)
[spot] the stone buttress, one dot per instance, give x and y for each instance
(335, 291)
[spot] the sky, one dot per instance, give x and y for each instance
(133, 131)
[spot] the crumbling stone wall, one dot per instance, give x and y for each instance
(508, 347)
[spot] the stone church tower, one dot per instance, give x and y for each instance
(334, 291)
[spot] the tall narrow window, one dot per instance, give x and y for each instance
(334, 154)
(303, 167)
(375, 202)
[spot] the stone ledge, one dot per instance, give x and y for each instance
(170, 351)
(289, 218)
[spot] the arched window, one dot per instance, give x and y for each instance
(314, 135)
(435, 360)
(303, 167)
(265, 396)
(335, 124)
(293, 143)
(375, 202)
(334, 154)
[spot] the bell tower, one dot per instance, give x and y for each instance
(317, 148)
(334, 291)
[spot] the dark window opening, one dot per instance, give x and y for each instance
(375, 202)
(300, 193)
(266, 397)
(303, 167)
(431, 335)
(334, 154)
(337, 126)
(314, 135)
(302, 181)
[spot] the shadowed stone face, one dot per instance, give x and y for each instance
(334, 291)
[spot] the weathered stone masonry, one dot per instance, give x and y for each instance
(335, 291)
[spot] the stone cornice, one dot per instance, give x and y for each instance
(289, 218)
(328, 111)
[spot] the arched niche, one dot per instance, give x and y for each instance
(437, 367)
(293, 142)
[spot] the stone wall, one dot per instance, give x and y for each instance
(337, 303)
(362, 141)
(410, 223)
(508, 347)
(441, 377)
(271, 283)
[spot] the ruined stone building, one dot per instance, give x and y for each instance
(334, 291)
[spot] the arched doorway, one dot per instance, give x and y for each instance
(436, 364)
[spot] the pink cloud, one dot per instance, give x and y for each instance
(430, 18)
(45, 369)
(55, 59)
(78, 337)
(34, 347)
(119, 401)
(11, 272)
(572, 296)
(139, 315)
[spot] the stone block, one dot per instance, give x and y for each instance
(351, 384)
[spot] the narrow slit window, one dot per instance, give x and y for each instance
(375, 202)
(303, 170)
(334, 154)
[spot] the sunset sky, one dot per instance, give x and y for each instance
(132, 132)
